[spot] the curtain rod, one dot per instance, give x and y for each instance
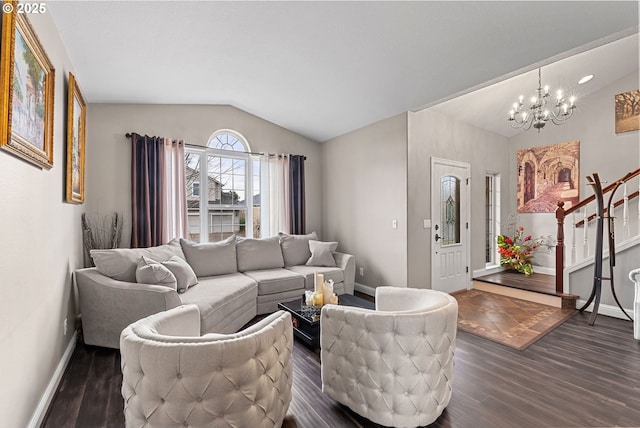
(195, 146)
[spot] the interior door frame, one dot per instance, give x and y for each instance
(435, 215)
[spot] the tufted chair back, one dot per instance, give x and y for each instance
(173, 377)
(394, 365)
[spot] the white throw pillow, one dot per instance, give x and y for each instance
(152, 272)
(322, 253)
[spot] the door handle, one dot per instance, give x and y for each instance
(437, 237)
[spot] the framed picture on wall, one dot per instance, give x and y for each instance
(76, 120)
(26, 100)
(546, 175)
(628, 111)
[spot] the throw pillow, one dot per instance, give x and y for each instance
(185, 276)
(216, 258)
(150, 271)
(121, 263)
(258, 254)
(295, 248)
(322, 253)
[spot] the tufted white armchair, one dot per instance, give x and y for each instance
(393, 365)
(173, 377)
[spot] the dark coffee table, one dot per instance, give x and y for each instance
(306, 319)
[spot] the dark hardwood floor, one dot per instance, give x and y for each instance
(576, 376)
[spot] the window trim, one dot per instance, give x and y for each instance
(245, 155)
(492, 233)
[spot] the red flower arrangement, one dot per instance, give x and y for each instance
(515, 253)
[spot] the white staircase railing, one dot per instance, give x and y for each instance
(580, 230)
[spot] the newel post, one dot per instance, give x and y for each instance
(560, 248)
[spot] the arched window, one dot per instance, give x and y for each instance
(228, 140)
(223, 188)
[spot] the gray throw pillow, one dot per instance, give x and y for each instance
(295, 248)
(322, 253)
(216, 258)
(185, 276)
(257, 254)
(121, 263)
(150, 271)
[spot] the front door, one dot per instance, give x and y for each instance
(450, 219)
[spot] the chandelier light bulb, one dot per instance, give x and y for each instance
(533, 100)
(572, 100)
(546, 89)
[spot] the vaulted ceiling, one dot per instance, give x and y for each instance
(325, 68)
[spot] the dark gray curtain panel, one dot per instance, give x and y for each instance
(296, 194)
(147, 160)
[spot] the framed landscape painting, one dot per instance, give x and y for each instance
(26, 99)
(76, 119)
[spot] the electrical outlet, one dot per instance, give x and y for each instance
(394, 224)
(64, 327)
(361, 271)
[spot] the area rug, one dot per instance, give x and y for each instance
(512, 322)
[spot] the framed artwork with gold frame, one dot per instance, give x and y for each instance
(26, 98)
(76, 120)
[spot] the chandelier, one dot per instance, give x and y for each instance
(542, 109)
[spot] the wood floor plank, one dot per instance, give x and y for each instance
(70, 391)
(576, 376)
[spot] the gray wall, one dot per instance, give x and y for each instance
(41, 245)
(364, 190)
(432, 134)
(108, 163)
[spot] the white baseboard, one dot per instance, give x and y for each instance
(487, 271)
(41, 411)
(608, 310)
(370, 291)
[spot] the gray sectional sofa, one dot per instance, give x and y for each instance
(230, 281)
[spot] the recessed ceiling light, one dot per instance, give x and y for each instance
(585, 79)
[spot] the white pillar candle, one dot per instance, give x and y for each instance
(319, 283)
(328, 291)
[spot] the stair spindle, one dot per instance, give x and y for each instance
(573, 237)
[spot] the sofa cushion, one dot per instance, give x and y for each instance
(222, 299)
(121, 263)
(150, 271)
(257, 254)
(210, 259)
(272, 281)
(295, 248)
(322, 253)
(185, 276)
(330, 273)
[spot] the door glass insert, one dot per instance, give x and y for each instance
(450, 210)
